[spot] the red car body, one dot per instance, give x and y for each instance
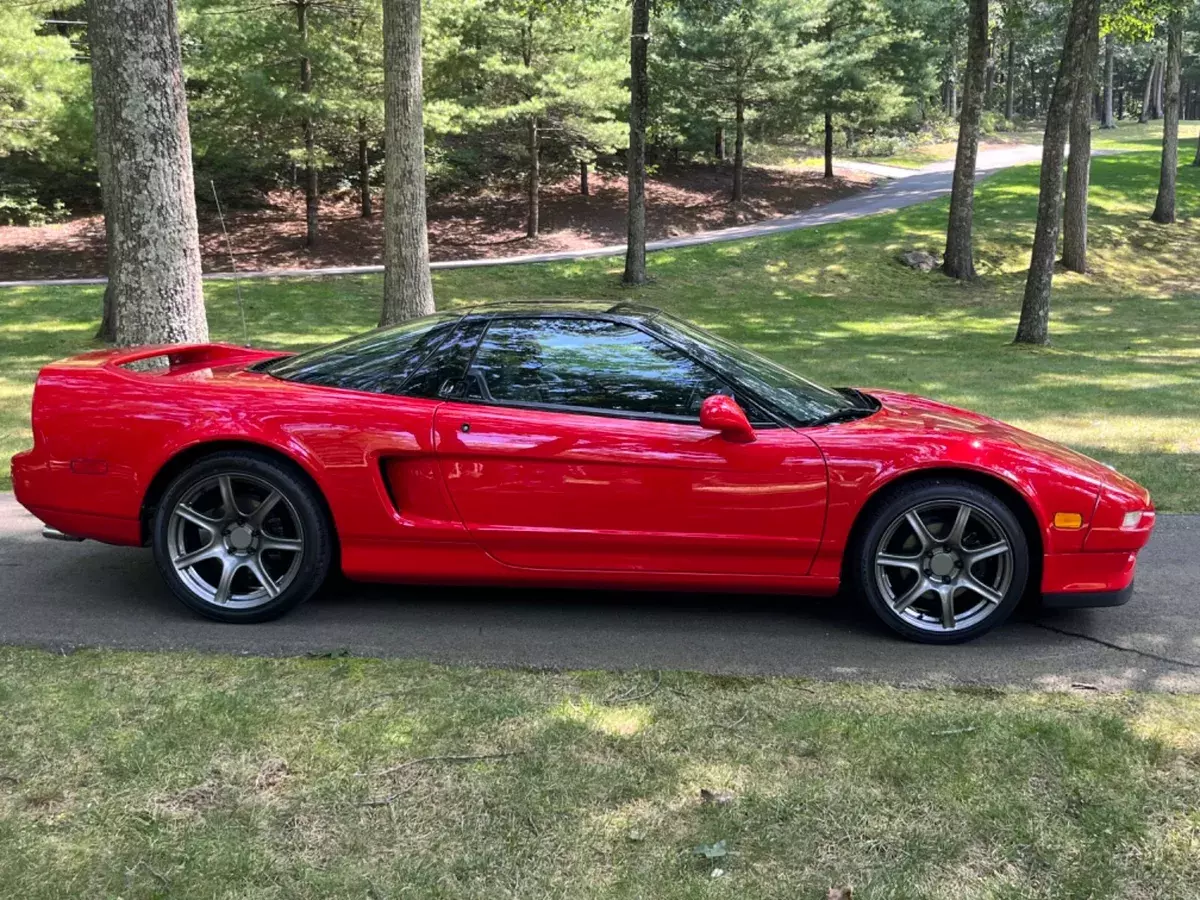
(430, 490)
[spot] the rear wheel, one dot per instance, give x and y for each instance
(241, 537)
(942, 561)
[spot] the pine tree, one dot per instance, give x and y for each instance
(734, 58)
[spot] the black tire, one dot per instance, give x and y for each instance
(887, 531)
(304, 569)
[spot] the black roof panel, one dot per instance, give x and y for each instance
(564, 305)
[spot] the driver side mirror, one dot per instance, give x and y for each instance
(721, 413)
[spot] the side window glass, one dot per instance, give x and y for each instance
(379, 362)
(441, 375)
(587, 364)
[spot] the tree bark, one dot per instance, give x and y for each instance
(739, 146)
(1034, 327)
(1010, 82)
(407, 285)
(959, 261)
(639, 106)
(533, 185)
(1164, 205)
(1144, 115)
(108, 321)
(1079, 161)
(1106, 119)
(828, 143)
(145, 164)
(364, 170)
(583, 178)
(311, 187)
(719, 149)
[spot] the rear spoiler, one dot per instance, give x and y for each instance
(177, 356)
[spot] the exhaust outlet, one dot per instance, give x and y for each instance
(53, 534)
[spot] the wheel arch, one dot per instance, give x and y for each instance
(193, 453)
(1004, 490)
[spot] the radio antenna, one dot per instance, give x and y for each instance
(237, 282)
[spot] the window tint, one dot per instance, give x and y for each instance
(441, 373)
(589, 364)
(380, 361)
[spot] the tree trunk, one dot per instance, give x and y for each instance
(534, 184)
(959, 261)
(719, 149)
(1010, 82)
(828, 143)
(583, 178)
(1106, 118)
(639, 107)
(1034, 327)
(1164, 206)
(1079, 161)
(311, 187)
(364, 170)
(989, 77)
(1158, 89)
(145, 164)
(407, 285)
(108, 321)
(1120, 105)
(739, 146)
(1032, 92)
(1147, 94)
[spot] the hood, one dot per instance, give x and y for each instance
(907, 411)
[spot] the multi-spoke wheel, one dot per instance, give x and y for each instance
(942, 561)
(240, 537)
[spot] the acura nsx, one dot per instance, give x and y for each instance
(565, 444)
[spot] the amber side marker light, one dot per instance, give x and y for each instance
(1068, 520)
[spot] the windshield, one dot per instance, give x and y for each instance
(800, 398)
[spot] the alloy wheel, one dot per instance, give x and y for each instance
(235, 541)
(944, 566)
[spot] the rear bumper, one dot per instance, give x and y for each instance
(77, 505)
(1086, 599)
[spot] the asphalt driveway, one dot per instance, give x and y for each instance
(64, 596)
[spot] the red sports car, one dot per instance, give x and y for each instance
(569, 444)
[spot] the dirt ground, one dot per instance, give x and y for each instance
(463, 226)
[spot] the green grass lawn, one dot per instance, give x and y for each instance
(1122, 381)
(173, 775)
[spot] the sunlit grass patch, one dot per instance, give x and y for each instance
(143, 775)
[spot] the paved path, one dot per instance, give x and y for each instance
(908, 187)
(66, 595)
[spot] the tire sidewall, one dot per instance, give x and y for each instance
(315, 557)
(947, 490)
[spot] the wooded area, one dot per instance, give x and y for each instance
(313, 95)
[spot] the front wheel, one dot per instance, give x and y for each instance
(241, 537)
(942, 561)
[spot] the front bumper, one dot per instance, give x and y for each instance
(1088, 599)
